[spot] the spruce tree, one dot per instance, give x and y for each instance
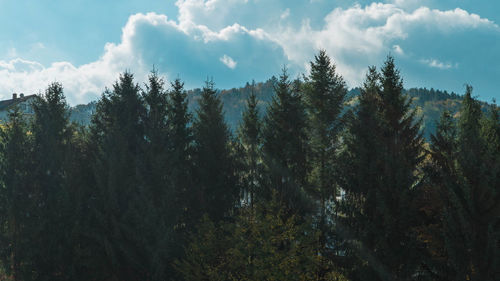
(325, 95)
(217, 189)
(361, 161)
(117, 229)
(250, 131)
(158, 211)
(18, 207)
(180, 172)
(80, 177)
(466, 169)
(180, 151)
(51, 137)
(383, 155)
(285, 146)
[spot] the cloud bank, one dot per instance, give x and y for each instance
(235, 41)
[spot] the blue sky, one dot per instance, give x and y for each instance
(86, 44)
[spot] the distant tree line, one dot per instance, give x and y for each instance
(313, 188)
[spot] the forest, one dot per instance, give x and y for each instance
(314, 183)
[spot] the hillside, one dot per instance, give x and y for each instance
(428, 102)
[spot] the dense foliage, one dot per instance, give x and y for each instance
(316, 183)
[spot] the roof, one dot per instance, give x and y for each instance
(6, 104)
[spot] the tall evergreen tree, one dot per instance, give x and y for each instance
(361, 161)
(18, 207)
(325, 96)
(180, 172)
(158, 210)
(467, 170)
(117, 229)
(217, 189)
(386, 157)
(250, 135)
(52, 134)
(81, 180)
(285, 145)
(181, 150)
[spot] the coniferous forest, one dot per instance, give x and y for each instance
(316, 185)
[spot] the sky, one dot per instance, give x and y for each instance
(86, 44)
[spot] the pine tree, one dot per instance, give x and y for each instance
(180, 173)
(117, 228)
(158, 210)
(361, 161)
(18, 208)
(385, 152)
(217, 189)
(467, 171)
(250, 131)
(180, 150)
(263, 243)
(325, 96)
(285, 145)
(51, 137)
(80, 177)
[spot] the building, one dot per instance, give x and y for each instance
(22, 101)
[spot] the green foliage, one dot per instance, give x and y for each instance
(250, 136)
(51, 140)
(261, 244)
(17, 209)
(325, 95)
(117, 202)
(217, 190)
(180, 154)
(384, 150)
(285, 145)
(122, 199)
(466, 168)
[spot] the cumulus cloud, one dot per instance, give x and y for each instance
(358, 36)
(213, 37)
(228, 61)
(438, 64)
(398, 50)
(285, 14)
(175, 48)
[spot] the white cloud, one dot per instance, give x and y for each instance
(228, 61)
(398, 50)
(438, 64)
(360, 36)
(285, 14)
(197, 40)
(409, 4)
(86, 82)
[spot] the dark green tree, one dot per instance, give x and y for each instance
(81, 180)
(217, 187)
(325, 94)
(285, 146)
(466, 170)
(263, 243)
(359, 177)
(18, 207)
(51, 138)
(158, 207)
(383, 155)
(181, 151)
(118, 230)
(250, 136)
